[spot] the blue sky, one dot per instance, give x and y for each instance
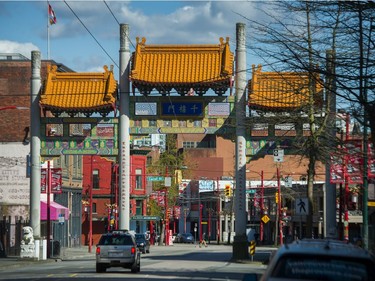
(24, 27)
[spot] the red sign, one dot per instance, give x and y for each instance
(371, 161)
(56, 180)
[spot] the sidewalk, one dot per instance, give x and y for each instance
(77, 253)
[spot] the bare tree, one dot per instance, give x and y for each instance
(295, 36)
(296, 39)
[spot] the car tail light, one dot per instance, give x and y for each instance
(133, 250)
(98, 250)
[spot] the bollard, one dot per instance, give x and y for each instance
(252, 249)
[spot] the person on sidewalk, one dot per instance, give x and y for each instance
(203, 241)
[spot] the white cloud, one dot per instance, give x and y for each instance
(16, 47)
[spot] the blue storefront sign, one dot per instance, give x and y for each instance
(182, 109)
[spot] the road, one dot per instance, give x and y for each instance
(178, 262)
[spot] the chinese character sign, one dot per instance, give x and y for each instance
(182, 109)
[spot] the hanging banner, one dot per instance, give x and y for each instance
(56, 182)
(354, 161)
(337, 169)
(371, 161)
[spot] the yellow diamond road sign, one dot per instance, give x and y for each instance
(265, 219)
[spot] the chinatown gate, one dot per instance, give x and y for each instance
(68, 101)
(191, 82)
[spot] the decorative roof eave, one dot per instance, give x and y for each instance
(255, 106)
(79, 92)
(168, 86)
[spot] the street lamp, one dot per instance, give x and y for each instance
(320, 224)
(200, 221)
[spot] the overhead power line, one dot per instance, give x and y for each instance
(91, 35)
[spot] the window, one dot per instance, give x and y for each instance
(139, 207)
(138, 179)
(66, 160)
(94, 208)
(95, 179)
(188, 144)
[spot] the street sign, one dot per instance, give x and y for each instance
(302, 206)
(145, 218)
(168, 182)
(278, 155)
(155, 178)
(61, 219)
(265, 219)
(288, 181)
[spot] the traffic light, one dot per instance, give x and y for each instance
(277, 197)
(228, 190)
(168, 214)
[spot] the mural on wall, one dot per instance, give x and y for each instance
(14, 185)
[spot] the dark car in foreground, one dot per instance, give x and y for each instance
(320, 259)
(117, 249)
(143, 243)
(184, 238)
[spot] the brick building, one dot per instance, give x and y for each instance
(101, 174)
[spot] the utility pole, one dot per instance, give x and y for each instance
(90, 202)
(261, 228)
(346, 179)
(218, 208)
(329, 210)
(167, 184)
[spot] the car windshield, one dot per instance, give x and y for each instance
(322, 268)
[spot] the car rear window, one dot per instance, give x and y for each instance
(323, 268)
(116, 240)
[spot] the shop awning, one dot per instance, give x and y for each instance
(56, 210)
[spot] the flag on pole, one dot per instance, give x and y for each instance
(51, 15)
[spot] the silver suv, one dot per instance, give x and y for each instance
(117, 249)
(315, 259)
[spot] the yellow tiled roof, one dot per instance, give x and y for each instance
(281, 90)
(175, 64)
(79, 92)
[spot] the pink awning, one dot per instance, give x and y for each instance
(55, 211)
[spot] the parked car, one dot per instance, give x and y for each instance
(320, 259)
(185, 238)
(143, 243)
(117, 249)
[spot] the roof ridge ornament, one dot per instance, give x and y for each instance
(51, 68)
